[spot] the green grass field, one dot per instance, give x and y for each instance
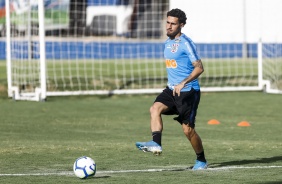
(41, 140)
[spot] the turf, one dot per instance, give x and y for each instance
(41, 140)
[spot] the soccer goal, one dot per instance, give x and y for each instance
(71, 47)
(271, 62)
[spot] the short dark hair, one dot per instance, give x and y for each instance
(179, 14)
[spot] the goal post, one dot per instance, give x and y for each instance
(270, 58)
(98, 47)
(26, 76)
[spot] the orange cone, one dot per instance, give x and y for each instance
(213, 122)
(244, 124)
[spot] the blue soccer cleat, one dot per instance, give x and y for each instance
(199, 165)
(150, 146)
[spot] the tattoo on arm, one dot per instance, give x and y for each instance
(198, 63)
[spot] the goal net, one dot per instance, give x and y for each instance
(272, 67)
(80, 47)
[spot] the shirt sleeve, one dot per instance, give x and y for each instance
(191, 51)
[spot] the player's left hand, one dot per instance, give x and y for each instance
(177, 89)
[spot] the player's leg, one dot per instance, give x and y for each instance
(156, 127)
(156, 123)
(193, 137)
(188, 110)
(197, 145)
(156, 119)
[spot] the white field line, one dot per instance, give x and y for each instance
(69, 173)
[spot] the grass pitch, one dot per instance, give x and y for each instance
(41, 140)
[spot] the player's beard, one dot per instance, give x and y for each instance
(172, 35)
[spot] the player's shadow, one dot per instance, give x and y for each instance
(245, 162)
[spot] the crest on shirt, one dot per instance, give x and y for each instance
(174, 47)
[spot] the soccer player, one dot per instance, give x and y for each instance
(182, 94)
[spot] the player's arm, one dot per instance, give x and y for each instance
(198, 70)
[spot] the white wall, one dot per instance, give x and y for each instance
(220, 21)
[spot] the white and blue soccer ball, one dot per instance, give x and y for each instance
(84, 167)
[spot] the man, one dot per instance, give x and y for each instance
(182, 94)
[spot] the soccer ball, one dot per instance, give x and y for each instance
(84, 167)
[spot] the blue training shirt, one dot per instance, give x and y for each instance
(179, 55)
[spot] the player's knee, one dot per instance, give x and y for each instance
(153, 110)
(157, 109)
(189, 132)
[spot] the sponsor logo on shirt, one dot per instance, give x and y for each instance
(170, 63)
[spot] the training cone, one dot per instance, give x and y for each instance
(213, 122)
(244, 124)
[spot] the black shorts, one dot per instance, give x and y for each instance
(185, 105)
